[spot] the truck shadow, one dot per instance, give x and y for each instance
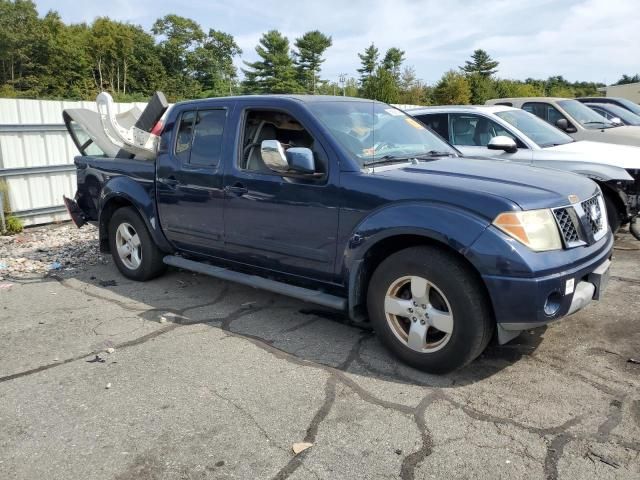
(293, 330)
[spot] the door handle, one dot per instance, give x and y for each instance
(236, 189)
(170, 181)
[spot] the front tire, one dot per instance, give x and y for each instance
(429, 309)
(132, 248)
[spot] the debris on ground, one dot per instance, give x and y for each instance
(108, 283)
(300, 447)
(108, 386)
(635, 361)
(58, 247)
(5, 286)
(110, 350)
(97, 359)
(591, 455)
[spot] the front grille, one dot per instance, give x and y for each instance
(567, 225)
(593, 212)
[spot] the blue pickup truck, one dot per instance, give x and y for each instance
(352, 205)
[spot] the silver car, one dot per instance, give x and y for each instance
(575, 118)
(507, 133)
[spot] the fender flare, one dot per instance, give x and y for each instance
(437, 223)
(119, 189)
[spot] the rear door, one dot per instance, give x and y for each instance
(189, 178)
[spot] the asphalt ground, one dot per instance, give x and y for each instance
(209, 379)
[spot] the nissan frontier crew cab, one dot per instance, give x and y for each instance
(347, 203)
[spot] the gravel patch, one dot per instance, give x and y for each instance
(40, 250)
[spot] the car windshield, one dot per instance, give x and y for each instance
(629, 105)
(629, 118)
(584, 115)
(535, 128)
(374, 132)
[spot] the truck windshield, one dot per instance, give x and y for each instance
(535, 128)
(372, 132)
(584, 115)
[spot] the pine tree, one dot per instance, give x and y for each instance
(308, 58)
(481, 63)
(369, 59)
(275, 73)
(393, 61)
(452, 89)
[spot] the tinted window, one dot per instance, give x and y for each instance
(199, 137)
(184, 136)
(538, 109)
(207, 139)
(553, 115)
(584, 115)
(438, 122)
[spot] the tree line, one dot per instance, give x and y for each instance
(42, 57)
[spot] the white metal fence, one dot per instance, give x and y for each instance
(36, 157)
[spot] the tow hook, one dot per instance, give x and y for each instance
(634, 227)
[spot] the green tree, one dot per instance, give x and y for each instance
(392, 61)
(275, 72)
(481, 63)
(516, 88)
(308, 57)
(452, 89)
(412, 90)
(382, 86)
(213, 66)
(369, 60)
(482, 88)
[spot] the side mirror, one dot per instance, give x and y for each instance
(301, 160)
(273, 155)
(502, 142)
(616, 121)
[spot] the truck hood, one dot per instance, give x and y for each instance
(625, 135)
(528, 187)
(622, 156)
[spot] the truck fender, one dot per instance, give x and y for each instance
(409, 223)
(120, 191)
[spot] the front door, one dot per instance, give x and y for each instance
(281, 223)
(190, 175)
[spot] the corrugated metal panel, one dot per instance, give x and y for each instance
(37, 196)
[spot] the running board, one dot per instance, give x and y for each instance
(305, 294)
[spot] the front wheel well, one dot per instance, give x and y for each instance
(610, 192)
(388, 246)
(105, 217)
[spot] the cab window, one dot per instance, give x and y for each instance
(438, 122)
(199, 137)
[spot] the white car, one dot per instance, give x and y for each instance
(501, 132)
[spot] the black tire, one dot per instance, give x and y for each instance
(150, 265)
(473, 322)
(613, 215)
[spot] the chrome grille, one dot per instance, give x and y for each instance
(594, 213)
(567, 225)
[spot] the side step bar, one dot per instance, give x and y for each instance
(305, 294)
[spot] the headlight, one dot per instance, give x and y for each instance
(537, 229)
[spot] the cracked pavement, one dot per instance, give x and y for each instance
(214, 380)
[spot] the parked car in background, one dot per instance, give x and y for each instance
(574, 118)
(509, 133)
(615, 113)
(350, 204)
(619, 101)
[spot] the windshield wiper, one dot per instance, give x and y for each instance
(388, 159)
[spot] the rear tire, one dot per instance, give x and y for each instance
(132, 248)
(613, 215)
(430, 309)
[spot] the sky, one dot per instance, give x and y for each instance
(591, 40)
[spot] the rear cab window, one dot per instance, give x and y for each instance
(199, 137)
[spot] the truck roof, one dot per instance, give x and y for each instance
(299, 98)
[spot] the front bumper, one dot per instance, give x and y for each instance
(521, 303)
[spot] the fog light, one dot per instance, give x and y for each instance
(552, 305)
